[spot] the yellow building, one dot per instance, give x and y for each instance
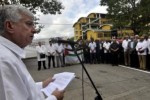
(97, 26)
(124, 32)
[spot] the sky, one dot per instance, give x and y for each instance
(61, 25)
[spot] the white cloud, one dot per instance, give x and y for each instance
(62, 25)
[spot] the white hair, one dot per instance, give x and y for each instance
(12, 13)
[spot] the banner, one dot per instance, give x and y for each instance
(71, 58)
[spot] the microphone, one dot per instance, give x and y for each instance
(66, 41)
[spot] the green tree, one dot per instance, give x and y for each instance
(129, 13)
(44, 6)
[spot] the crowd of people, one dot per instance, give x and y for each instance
(133, 51)
(53, 53)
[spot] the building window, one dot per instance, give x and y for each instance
(107, 34)
(100, 35)
(76, 33)
(80, 33)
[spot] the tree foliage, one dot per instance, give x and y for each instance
(129, 13)
(44, 6)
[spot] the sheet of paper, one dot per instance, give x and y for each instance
(61, 82)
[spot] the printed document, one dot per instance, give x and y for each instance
(61, 82)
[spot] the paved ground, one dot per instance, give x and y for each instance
(113, 83)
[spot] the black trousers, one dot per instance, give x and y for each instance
(92, 58)
(134, 61)
(102, 56)
(49, 61)
(121, 57)
(148, 62)
(39, 65)
(86, 57)
(114, 59)
(107, 58)
(98, 57)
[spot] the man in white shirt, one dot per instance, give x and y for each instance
(141, 49)
(41, 55)
(125, 49)
(17, 31)
(59, 54)
(92, 46)
(51, 54)
(106, 46)
(148, 55)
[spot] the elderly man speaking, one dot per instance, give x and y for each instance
(16, 32)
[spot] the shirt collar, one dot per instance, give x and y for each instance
(13, 47)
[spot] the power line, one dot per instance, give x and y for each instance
(55, 24)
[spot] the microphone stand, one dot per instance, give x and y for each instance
(98, 97)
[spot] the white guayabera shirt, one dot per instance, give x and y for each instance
(15, 81)
(39, 50)
(141, 45)
(92, 46)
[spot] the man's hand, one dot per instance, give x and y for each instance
(59, 94)
(47, 81)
